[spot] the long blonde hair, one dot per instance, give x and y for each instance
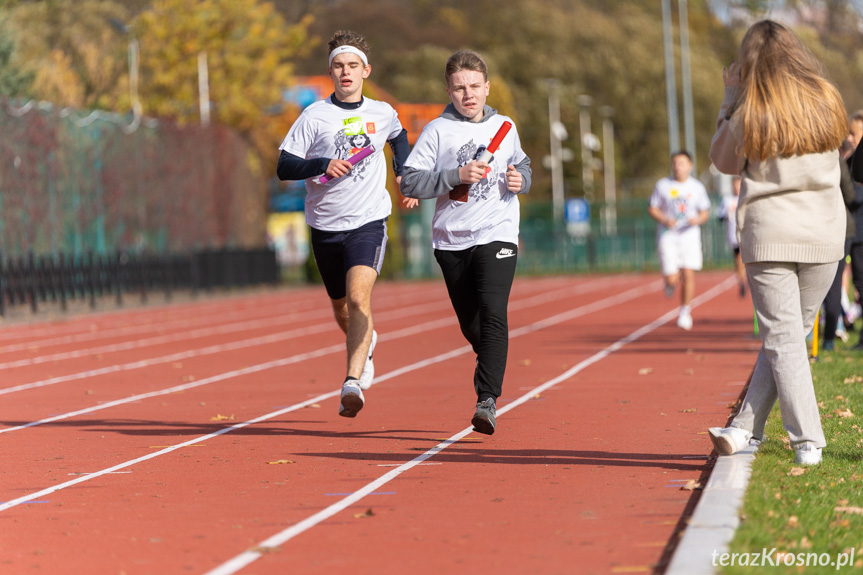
(786, 104)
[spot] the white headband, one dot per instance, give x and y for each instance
(348, 49)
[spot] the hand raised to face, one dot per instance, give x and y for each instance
(731, 75)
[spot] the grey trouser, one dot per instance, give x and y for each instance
(786, 296)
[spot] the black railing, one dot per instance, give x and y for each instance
(60, 278)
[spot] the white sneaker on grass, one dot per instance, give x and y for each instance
(368, 374)
(352, 399)
(807, 454)
(729, 440)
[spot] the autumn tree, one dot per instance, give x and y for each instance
(610, 51)
(248, 47)
(69, 47)
(14, 81)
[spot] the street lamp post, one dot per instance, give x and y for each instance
(584, 103)
(688, 114)
(204, 88)
(134, 100)
(670, 82)
(608, 170)
(557, 133)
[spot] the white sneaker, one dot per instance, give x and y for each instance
(729, 440)
(352, 399)
(807, 454)
(368, 373)
(684, 321)
(840, 331)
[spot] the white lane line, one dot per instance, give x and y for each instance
(636, 292)
(112, 333)
(274, 338)
(273, 317)
(213, 349)
(198, 333)
(24, 499)
(247, 557)
(86, 329)
(406, 332)
(146, 318)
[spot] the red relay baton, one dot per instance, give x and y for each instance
(460, 192)
(354, 160)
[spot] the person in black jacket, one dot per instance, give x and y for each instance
(855, 134)
(833, 299)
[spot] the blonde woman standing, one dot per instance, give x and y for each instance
(780, 128)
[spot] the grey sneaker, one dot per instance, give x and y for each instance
(483, 420)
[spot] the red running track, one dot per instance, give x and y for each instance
(204, 438)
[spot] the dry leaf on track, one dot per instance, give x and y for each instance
(645, 371)
(280, 462)
(691, 485)
(220, 417)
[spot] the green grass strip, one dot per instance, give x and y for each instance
(814, 513)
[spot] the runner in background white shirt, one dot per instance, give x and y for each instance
(475, 224)
(728, 213)
(680, 205)
(348, 213)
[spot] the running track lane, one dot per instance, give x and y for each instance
(450, 498)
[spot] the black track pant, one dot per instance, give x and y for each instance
(479, 280)
(833, 300)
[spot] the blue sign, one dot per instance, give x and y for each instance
(287, 196)
(576, 211)
(300, 95)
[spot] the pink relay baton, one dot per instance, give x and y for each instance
(361, 155)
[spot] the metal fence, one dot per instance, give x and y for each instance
(75, 184)
(59, 279)
(626, 243)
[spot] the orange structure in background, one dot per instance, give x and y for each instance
(413, 117)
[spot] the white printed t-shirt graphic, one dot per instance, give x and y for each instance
(491, 213)
(681, 201)
(325, 130)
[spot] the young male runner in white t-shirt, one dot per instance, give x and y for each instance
(680, 205)
(475, 224)
(348, 213)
